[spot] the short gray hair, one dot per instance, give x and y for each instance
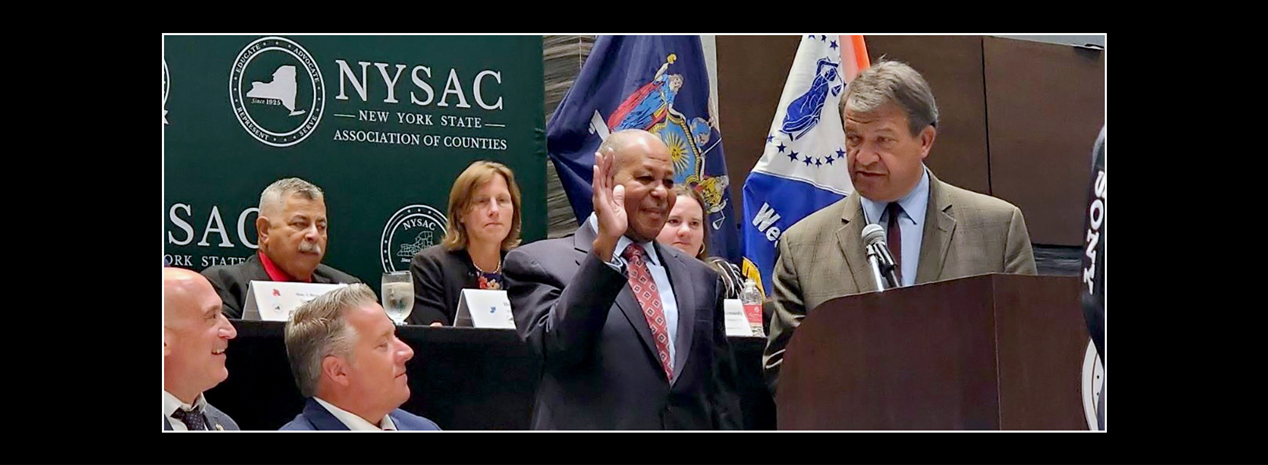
(893, 81)
(282, 188)
(318, 328)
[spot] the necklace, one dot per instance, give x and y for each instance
(489, 280)
(495, 270)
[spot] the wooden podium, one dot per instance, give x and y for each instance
(985, 352)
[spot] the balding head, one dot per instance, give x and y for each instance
(642, 163)
(629, 145)
(195, 335)
(181, 291)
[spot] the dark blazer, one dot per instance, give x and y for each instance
(439, 278)
(219, 420)
(317, 418)
(232, 281)
(600, 369)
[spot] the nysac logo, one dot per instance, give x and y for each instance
(276, 91)
(409, 230)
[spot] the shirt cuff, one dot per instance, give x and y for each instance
(617, 264)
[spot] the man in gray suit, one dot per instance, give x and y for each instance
(195, 336)
(935, 231)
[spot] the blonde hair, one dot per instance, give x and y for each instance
(460, 195)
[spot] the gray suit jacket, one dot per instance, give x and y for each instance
(822, 256)
(219, 421)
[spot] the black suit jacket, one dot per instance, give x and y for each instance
(600, 369)
(439, 278)
(232, 281)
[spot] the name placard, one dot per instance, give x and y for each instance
(276, 301)
(736, 323)
(484, 308)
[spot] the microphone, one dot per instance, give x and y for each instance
(879, 257)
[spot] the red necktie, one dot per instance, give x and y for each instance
(644, 288)
(894, 238)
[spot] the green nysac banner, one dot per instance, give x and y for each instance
(383, 124)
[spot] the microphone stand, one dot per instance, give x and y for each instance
(874, 257)
(882, 266)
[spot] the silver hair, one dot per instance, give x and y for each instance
(895, 82)
(319, 328)
(277, 192)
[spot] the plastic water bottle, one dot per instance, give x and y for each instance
(751, 298)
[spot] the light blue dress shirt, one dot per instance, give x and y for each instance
(911, 223)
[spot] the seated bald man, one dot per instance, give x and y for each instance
(195, 336)
(292, 238)
(350, 365)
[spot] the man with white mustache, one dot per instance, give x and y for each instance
(292, 236)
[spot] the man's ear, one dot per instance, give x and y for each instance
(927, 135)
(262, 229)
(336, 369)
(167, 349)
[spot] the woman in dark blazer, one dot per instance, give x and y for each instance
(483, 224)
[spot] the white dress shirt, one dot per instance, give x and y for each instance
(354, 422)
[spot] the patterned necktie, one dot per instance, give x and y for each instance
(648, 296)
(193, 419)
(894, 238)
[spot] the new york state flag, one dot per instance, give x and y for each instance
(659, 84)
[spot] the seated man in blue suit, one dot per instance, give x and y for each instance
(350, 365)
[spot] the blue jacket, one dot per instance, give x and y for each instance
(317, 418)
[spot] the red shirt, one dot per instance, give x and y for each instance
(276, 273)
